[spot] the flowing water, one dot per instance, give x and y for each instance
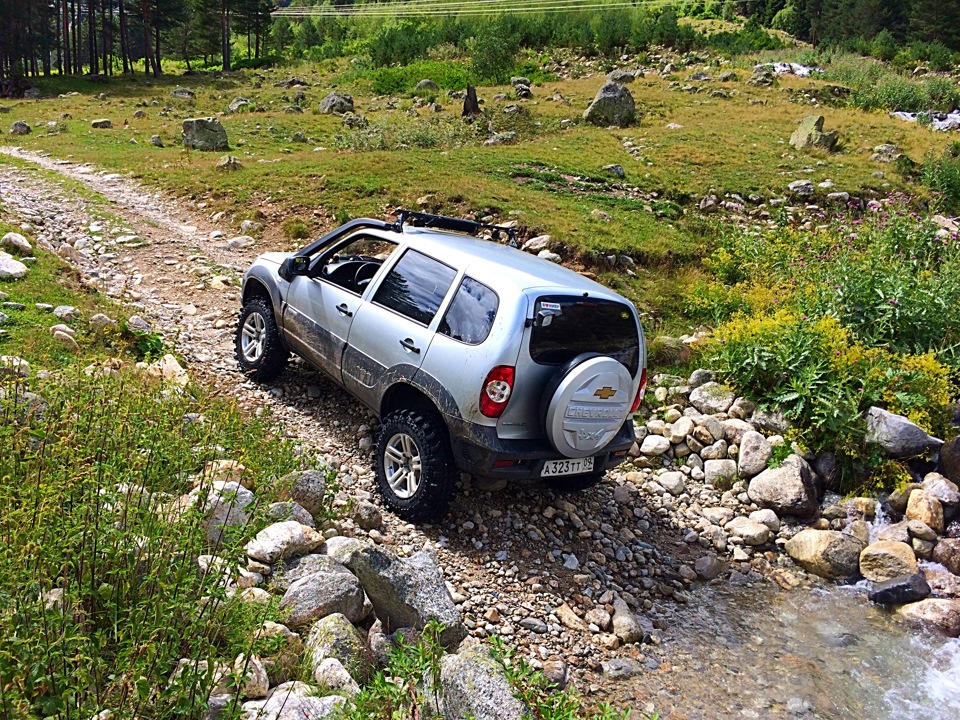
(762, 652)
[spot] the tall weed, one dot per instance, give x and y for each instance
(100, 591)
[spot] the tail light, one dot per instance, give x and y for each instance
(643, 386)
(496, 391)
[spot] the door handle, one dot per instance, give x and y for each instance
(408, 345)
(344, 310)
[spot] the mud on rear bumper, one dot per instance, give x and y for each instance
(479, 451)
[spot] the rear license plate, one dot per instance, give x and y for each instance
(552, 468)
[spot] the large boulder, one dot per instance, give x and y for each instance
(405, 592)
(307, 487)
(474, 685)
(810, 134)
(827, 553)
(335, 637)
(625, 623)
(711, 398)
(336, 104)
(205, 134)
(222, 504)
(287, 573)
(20, 128)
(790, 489)
(320, 594)
(885, 560)
(426, 86)
(283, 540)
(613, 105)
(293, 701)
(897, 435)
(940, 613)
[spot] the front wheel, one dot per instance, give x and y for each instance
(260, 352)
(415, 470)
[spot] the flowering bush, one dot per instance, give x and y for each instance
(822, 379)
(887, 277)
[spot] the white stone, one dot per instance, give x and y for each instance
(752, 532)
(283, 540)
(17, 242)
(654, 445)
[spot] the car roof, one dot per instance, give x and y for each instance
(496, 265)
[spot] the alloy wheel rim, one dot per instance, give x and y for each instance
(402, 465)
(253, 336)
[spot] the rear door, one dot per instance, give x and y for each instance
(391, 334)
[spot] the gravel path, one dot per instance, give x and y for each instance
(518, 558)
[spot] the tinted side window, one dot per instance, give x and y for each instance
(470, 315)
(415, 287)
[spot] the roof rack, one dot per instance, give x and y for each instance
(442, 222)
(415, 219)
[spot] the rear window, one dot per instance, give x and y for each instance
(471, 313)
(416, 287)
(582, 325)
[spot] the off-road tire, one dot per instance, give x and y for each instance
(437, 470)
(574, 483)
(273, 357)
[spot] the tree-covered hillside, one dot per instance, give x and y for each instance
(102, 37)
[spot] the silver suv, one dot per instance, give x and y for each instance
(473, 354)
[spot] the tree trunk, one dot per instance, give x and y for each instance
(65, 37)
(157, 69)
(92, 38)
(124, 42)
(225, 34)
(104, 34)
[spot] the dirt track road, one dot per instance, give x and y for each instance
(512, 556)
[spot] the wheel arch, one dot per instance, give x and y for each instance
(403, 395)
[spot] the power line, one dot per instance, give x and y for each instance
(468, 7)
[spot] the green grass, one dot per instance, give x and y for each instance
(51, 281)
(725, 145)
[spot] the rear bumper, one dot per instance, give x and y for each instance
(479, 451)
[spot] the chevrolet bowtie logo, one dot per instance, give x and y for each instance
(605, 393)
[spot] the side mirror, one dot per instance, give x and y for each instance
(293, 266)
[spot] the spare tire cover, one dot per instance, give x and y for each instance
(589, 406)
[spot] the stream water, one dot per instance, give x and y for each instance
(762, 652)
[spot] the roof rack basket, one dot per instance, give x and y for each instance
(442, 222)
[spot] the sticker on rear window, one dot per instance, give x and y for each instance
(550, 306)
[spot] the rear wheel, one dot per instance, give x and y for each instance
(415, 470)
(259, 350)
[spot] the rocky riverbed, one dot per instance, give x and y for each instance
(602, 582)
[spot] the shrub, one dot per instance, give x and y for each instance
(493, 52)
(295, 229)
(942, 175)
(815, 372)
